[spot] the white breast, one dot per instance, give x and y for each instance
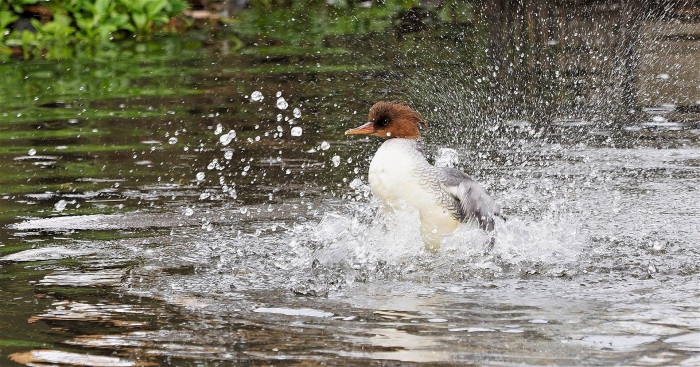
(398, 174)
(391, 172)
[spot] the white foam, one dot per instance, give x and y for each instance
(365, 239)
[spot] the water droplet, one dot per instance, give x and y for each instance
(447, 157)
(325, 145)
(188, 212)
(31, 151)
(336, 161)
(227, 138)
(297, 113)
(296, 131)
(60, 205)
(657, 246)
(213, 164)
(278, 94)
(172, 140)
(228, 155)
(282, 104)
(219, 129)
(356, 183)
(256, 96)
(200, 176)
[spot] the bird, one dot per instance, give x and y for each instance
(399, 174)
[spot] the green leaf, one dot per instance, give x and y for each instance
(140, 20)
(121, 22)
(61, 19)
(6, 18)
(14, 42)
(86, 24)
(176, 7)
(37, 24)
(102, 7)
(155, 7)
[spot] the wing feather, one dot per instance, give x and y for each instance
(472, 201)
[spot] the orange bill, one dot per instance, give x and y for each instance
(366, 129)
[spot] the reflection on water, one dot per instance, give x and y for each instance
(208, 210)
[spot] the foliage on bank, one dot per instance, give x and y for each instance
(56, 29)
(48, 28)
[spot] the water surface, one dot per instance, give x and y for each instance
(189, 206)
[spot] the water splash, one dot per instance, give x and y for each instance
(362, 243)
(447, 157)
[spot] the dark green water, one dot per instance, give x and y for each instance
(134, 233)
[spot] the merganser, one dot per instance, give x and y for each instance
(399, 173)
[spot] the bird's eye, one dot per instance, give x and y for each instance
(382, 122)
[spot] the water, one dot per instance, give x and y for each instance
(178, 219)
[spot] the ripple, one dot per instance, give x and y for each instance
(619, 342)
(294, 312)
(55, 357)
(47, 253)
(92, 279)
(689, 342)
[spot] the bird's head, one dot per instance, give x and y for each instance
(391, 120)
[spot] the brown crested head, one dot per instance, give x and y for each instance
(391, 120)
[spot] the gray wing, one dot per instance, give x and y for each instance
(473, 202)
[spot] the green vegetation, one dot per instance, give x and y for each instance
(63, 29)
(52, 29)
(311, 22)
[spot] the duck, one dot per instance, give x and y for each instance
(400, 176)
